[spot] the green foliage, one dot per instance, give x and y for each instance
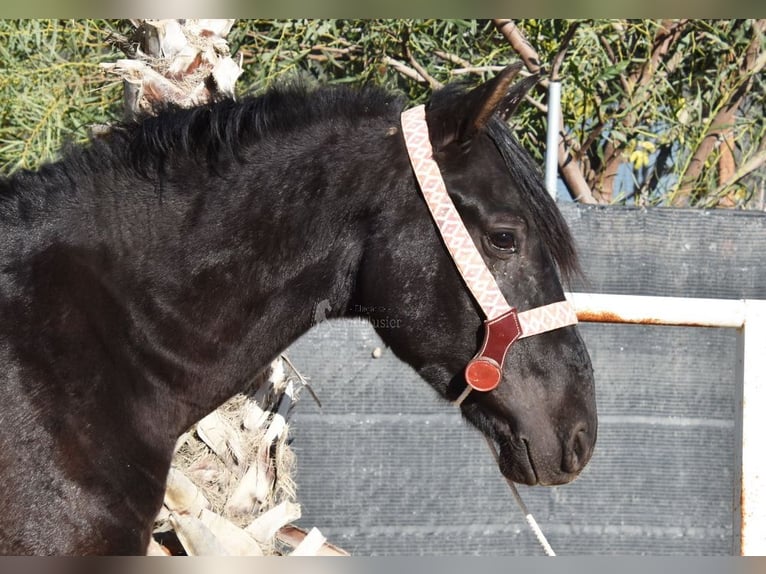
(51, 87)
(354, 51)
(644, 122)
(614, 101)
(343, 51)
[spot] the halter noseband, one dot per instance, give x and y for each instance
(503, 325)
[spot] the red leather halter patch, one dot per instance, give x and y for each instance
(485, 370)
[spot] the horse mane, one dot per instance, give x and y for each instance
(217, 131)
(220, 129)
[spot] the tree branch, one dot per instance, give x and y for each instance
(563, 46)
(476, 70)
(612, 58)
(668, 32)
(753, 62)
(452, 58)
(745, 169)
(403, 69)
(519, 43)
(658, 169)
(594, 134)
(568, 168)
(542, 107)
(432, 82)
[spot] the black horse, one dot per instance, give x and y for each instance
(147, 277)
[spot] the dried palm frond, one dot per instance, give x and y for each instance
(179, 62)
(230, 488)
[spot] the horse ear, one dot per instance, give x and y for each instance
(465, 116)
(485, 100)
(514, 96)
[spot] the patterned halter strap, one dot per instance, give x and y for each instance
(503, 325)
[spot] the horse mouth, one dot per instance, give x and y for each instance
(514, 456)
(519, 457)
(515, 462)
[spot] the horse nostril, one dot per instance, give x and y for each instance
(577, 450)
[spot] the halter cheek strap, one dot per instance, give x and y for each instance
(503, 325)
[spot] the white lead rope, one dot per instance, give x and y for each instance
(527, 515)
(476, 275)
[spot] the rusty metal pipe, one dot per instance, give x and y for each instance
(647, 310)
(749, 316)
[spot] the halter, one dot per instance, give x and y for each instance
(503, 325)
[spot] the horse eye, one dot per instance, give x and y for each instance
(504, 241)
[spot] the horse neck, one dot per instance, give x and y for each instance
(219, 270)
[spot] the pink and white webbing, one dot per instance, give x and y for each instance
(504, 325)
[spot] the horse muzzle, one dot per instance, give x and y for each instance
(546, 459)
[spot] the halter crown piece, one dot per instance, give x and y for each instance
(503, 325)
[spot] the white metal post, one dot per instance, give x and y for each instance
(552, 138)
(753, 495)
(749, 316)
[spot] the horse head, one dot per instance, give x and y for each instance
(542, 415)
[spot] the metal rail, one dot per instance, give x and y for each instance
(747, 315)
